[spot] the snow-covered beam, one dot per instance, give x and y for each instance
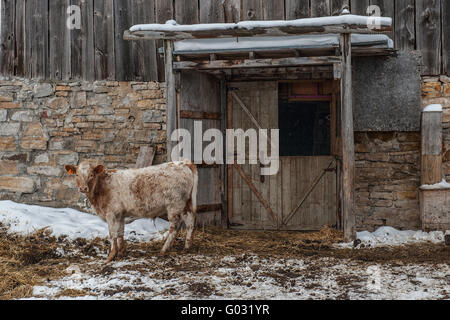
(336, 24)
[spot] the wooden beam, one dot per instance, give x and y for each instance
(229, 166)
(348, 143)
(234, 30)
(255, 63)
(187, 114)
(171, 112)
(256, 192)
(431, 164)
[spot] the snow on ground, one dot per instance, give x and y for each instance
(239, 276)
(254, 278)
(25, 219)
(388, 236)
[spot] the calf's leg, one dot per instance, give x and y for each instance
(121, 247)
(189, 221)
(174, 227)
(116, 230)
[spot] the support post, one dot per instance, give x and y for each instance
(171, 108)
(431, 145)
(348, 143)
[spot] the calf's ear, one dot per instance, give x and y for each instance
(98, 169)
(70, 169)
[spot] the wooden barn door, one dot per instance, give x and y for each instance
(200, 101)
(302, 196)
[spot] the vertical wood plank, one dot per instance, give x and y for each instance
(82, 44)
(431, 161)
(387, 10)
(164, 11)
(337, 5)
(144, 56)
(60, 41)
(232, 10)
(274, 10)
(296, 9)
(252, 10)
(20, 38)
(320, 8)
(359, 7)
(123, 49)
(405, 34)
(36, 39)
(445, 4)
(428, 35)
(7, 37)
(211, 11)
(171, 112)
(104, 39)
(186, 11)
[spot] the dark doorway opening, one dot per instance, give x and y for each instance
(304, 128)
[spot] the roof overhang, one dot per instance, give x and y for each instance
(337, 24)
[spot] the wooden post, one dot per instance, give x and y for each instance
(348, 143)
(431, 164)
(171, 107)
(229, 166)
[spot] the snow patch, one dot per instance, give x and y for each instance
(348, 19)
(438, 186)
(388, 236)
(25, 219)
(433, 108)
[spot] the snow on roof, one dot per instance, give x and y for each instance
(348, 19)
(433, 108)
(271, 43)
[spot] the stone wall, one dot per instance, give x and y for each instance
(387, 179)
(388, 168)
(44, 125)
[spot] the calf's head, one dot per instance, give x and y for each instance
(87, 175)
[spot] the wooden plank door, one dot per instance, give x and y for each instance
(253, 194)
(302, 195)
(200, 101)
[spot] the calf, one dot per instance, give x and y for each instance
(140, 193)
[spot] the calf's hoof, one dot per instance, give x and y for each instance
(111, 257)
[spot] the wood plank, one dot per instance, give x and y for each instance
(82, 43)
(122, 49)
(255, 191)
(359, 7)
(230, 180)
(36, 39)
(348, 142)
(387, 10)
(232, 11)
(20, 38)
(252, 10)
(337, 6)
(255, 63)
(428, 35)
(320, 8)
(296, 9)
(104, 39)
(7, 37)
(171, 112)
(187, 114)
(405, 34)
(187, 11)
(211, 11)
(274, 10)
(445, 36)
(60, 41)
(145, 157)
(431, 162)
(164, 11)
(143, 53)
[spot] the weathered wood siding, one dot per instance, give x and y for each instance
(35, 41)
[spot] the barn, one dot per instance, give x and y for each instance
(347, 92)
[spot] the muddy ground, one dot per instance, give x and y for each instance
(222, 264)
